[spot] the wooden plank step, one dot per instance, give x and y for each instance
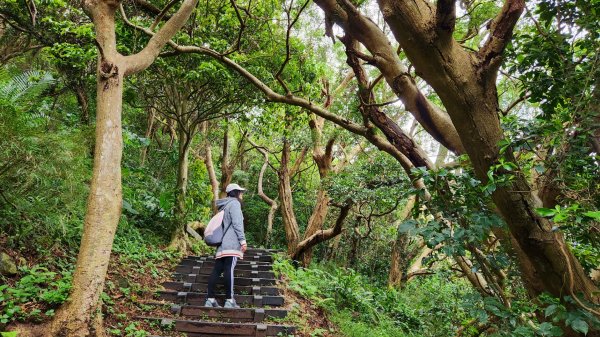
(262, 266)
(251, 250)
(229, 314)
(199, 328)
(257, 257)
(195, 298)
(243, 281)
(211, 259)
(200, 287)
(207, 270)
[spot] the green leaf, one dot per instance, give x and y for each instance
(550, 310)
(547, 329)
(580, 325)
(594, 215)
(127, 206)
(407, 226)
(545, 212)
(9, 334)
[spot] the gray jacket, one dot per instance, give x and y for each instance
(234, 238)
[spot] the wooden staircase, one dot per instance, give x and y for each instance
(255, 290)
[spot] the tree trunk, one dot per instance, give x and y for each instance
(210, 167)
(315, 223)
(178, 238)
(399, 258)
(287, 203)
(148, 135)
(272, 203)
(83, 101)
(323, 159)
(80, 315)
(226, 169)
(417, 263)
(465, 82)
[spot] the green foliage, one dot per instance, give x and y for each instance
(358, 305)
(37, 286)
(42, 171)
(468, 217)
(554, 56)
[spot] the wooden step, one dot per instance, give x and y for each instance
(228, 314)
(243, 281)
(207, 270)
(262, 266)
(251, 250)
(199, 328)
(211, 260)
(195, 328)
(257, 257)
(198, 298)
(201, 287)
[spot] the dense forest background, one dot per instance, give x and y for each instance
(432, 168)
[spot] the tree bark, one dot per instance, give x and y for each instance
(179, 238)
(210, 167)
(287, 203)
(148, 135)
(324, 235)
(273, 206)
(80, 316)
(83, 101)
(399, 257)
(323, 159)
(226, 167)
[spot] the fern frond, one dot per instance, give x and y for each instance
(26, 86)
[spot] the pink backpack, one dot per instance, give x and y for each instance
(214, 233)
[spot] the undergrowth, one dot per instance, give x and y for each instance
(431, 306)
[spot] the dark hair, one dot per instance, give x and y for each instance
(235, 194)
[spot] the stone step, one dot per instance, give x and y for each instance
(228, 314)
(198, 298)
(243, 281)
(207, 270)
(242, 290)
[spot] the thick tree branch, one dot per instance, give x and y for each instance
(445, 17)
(162, 13)
(434, 120)
(143, 59)
(324, 235)
(501, 29)
(394, 134)
(149, 8)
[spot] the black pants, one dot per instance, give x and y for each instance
(224, 265)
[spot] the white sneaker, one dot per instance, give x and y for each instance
(230, 303)
(212, 303)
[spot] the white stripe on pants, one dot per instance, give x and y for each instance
(233, 263)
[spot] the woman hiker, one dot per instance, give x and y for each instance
(231, 249)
